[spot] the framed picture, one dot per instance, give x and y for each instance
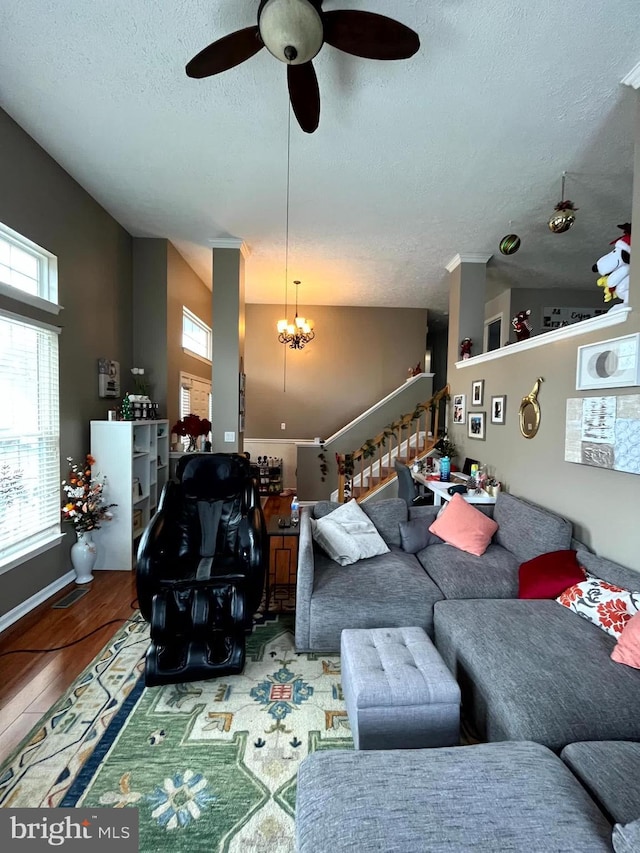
(108, 378)
(459, 408)
(609, 364)
(498, 407)
(476, 425)
(477, 392)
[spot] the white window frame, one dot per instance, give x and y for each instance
(47, 280)
(202, 326)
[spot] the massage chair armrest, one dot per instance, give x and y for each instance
(253, 545)
(152, 550)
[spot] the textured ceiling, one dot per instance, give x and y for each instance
(413, 161)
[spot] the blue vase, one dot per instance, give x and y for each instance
(445, 469)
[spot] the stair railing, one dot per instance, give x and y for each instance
(411, 437)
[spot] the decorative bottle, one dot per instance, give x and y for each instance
(445, 469)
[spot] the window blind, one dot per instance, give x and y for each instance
(29, 435)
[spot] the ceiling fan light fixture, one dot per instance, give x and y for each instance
(291, 30)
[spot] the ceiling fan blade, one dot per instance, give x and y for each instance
(369, 35)
(225, 53)
(305, 95)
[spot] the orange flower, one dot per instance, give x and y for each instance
(613, 614)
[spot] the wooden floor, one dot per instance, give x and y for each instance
(31, 682)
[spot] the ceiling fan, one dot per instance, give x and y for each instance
(294, 31)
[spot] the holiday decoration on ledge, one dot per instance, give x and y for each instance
(465, 348)
(522, 325)
(564, 215)
(614, 267)
(84, 504)
(414, 371)
(192, 426)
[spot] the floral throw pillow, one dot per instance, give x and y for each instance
(607, 606)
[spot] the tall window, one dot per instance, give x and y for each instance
(29, 403)
(29, 438)
(196, 335)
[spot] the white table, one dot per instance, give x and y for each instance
(440, 491)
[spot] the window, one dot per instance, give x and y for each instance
(29, 438)
(196, 335)
(28, 273)
(493, 333)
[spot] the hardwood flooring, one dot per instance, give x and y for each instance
(30, 682)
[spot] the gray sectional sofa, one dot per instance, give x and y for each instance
(561, 719)
(527, 669)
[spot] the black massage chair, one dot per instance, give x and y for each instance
(201, 569)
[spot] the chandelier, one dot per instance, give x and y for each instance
(298, 333)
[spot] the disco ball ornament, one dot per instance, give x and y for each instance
(563, 217)
(510, 244)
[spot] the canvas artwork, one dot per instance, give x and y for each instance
(604, 432)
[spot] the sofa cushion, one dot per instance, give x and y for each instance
(488, 797)
(387, 515)
(532, 670)
(627, 649)
(462, 526)
(608, 570)
(608, 606)
(388, 591)
(528, 530)
(462, 575)
(549, 574)
(347, 534)
(609, 772)
(415, 535)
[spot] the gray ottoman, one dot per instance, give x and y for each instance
(398, 691)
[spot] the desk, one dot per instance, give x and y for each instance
(440, 493)
(280, 583)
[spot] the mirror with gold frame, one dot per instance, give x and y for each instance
(529, 414)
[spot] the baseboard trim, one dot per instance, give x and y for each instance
(31, 603)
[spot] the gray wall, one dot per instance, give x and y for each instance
(359, 355)
(40, 200)
(602, 504)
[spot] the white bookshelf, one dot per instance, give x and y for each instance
(134, 457)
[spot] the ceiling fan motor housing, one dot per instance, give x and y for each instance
(291, 30)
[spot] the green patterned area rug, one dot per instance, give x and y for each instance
(211, 765)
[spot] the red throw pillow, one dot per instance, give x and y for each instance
(549, 574)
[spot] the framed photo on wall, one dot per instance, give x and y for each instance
(476, 425)
(459, 414)
(498, 407)
(477, 392)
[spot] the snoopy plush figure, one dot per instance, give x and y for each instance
(613, 268)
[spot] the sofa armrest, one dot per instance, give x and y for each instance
(304, 581)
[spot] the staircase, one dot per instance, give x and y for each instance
(362, 473)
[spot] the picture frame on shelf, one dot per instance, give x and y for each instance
(614, 363)
(459, 408)
(498, 409)
(477, 392)
(476, 425)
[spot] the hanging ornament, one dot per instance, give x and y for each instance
(510, 244)
(564, 215)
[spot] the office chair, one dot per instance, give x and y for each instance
(408, 488)
(201, 569)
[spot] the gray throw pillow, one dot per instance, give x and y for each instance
(415, 535)
(626, 837)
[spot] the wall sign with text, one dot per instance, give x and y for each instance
(555, 318)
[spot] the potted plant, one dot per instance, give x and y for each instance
(192, 426)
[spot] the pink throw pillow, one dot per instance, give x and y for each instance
(549, 574)
(627, 649)
(464, 527)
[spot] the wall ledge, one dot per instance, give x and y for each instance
(611, 318)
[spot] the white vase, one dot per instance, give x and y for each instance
(83, 557)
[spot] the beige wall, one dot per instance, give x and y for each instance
(602, 504)
(359, 355)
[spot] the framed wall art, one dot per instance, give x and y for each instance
(498, 408)
(108, 378)
(459, 406)
(609, 364)
(477, 392)
(476, 425)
